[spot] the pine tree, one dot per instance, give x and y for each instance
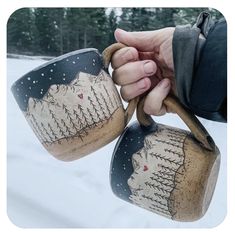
(44, 129)
(56, 122)
(108, 96)
(112, 25)
(94, 106)
(46, 21)
(92, 117)
(81, 132)
(99, 102)
(107, 109)
(21, 31)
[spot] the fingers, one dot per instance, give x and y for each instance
(134, 71)
(153, 104)
(123, 56)
(133, 90)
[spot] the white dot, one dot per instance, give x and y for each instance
(17, 89)
(51, 70)
(124, 152)
(85, 68)
(22, 82)
(64, 74)
(42, 74)
(50, 78)
(93, 64)
(78, 58)
(41, 89)
(34, 82)
(29, 78)
(26, 95)
(54, 64)
(118, 185)
(67, 59)
(41, 92)
(94, 60)
(74, 62)
(63, 79)
(30, 87)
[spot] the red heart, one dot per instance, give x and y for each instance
(80, 96)
(145, 168)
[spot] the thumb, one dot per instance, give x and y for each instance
(145, 41)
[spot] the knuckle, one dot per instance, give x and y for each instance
(134, 53)
(148, 109)
(116, 77)
(126, 95)
(124, 56)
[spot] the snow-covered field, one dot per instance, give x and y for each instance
(45, 192)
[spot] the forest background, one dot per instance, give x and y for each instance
(55, 31)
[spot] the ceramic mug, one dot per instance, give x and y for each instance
(72, 104)
(166, 170)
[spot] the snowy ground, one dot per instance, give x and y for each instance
(45, 192)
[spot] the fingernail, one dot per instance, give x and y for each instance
(148, 67)
(165, 83)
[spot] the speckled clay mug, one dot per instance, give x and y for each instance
(166, 170)
(72, 104)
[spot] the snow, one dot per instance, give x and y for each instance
(46, 193)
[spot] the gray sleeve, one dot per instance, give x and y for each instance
(187, 42)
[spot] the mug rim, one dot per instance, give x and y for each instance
(54, 60)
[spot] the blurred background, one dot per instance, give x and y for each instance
(55, 31)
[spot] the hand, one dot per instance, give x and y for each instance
(145, 65)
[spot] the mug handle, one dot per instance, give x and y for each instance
(107, 56)
(173, 103)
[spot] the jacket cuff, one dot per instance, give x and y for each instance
(188, 42)
(184, 51)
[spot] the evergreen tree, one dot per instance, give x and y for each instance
(112, 25)
(21, 31)
(125, 22)
(46, 21)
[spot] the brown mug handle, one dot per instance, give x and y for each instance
(173, 103)
(107, 56)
